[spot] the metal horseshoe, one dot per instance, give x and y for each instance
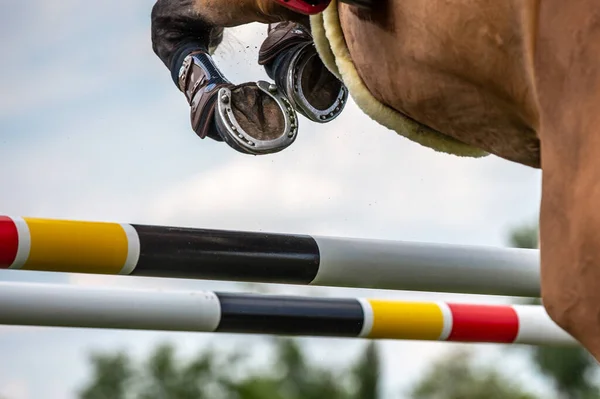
(231, 131)
(296, 94)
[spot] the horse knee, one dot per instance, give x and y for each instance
(562, 308)
(571, 300)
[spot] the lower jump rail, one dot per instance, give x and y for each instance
(57, 305)
(130, 249)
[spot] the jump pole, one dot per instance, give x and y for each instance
(54, 245)
(57, 305)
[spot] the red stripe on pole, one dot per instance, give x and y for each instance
(9, 242)
(483, 323)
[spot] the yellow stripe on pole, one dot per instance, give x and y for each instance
(406, 320)
(76, 247)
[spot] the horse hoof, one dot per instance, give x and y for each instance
(291, 60)
(313, 90)
(255, 118)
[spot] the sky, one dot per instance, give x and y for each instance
(93, 128)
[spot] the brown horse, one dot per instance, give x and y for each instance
(519, 79)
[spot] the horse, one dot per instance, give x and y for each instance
(518, 79)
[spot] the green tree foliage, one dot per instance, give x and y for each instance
(111, 378)
(366, 373)
(524, 236)
(164, 376)
(211, 375)
(457, 377)
(569, 369)
(292, 377)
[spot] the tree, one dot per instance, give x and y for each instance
(569, 368)
(166, 377)
(457, 377)
(292, 377)
(211, 375)
(524, 236)
(366, 373)
(112, 376)
(162, 376)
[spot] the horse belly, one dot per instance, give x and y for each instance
(462, 67)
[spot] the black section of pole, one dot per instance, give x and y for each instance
(274, 314)
(226, 255)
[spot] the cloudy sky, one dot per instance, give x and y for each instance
(92, 128)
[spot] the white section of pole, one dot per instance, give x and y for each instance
(398, 265)
(537, 328)
(58, 305)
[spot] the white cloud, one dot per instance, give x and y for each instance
(15, 389)
(246, 190)
(78, 70)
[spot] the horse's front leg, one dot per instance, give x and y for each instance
(253, 118)
(291, 60)
(568, 80)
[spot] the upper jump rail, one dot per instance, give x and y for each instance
(53, 245)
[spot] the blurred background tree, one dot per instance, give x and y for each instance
(112, 375)
(209, 375)
(456, 376)
(289, 376)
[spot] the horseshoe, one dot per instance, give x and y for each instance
(292, 82)
(234, 135)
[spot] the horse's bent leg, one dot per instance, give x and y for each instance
(568, 79)
(200, 23)
(252, 118)
(291, 59)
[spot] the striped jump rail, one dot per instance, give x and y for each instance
(53, 245)
(57, 305)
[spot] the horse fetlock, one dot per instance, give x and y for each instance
(291, 60)
(200, 80)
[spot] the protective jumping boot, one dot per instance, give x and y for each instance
(291, 60)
